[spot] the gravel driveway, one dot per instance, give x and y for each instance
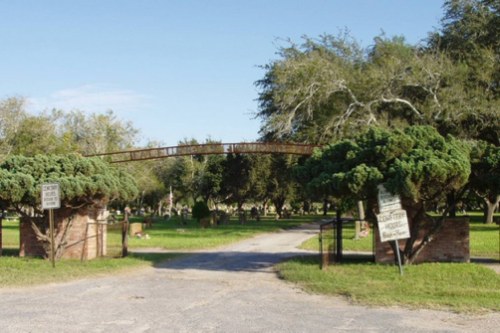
(232, 289)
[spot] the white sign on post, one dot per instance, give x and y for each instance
(393, 225)
(392, 220)
(51, 196)
(387, 201)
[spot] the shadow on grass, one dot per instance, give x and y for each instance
(6, 252)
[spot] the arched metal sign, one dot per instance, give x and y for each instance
(209, 149)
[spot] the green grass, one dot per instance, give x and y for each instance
(17, 272)
(170, 234)
(484, 238)
(459, 287)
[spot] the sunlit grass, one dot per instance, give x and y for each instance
(172, 235)
(33, 271)
(460, 287)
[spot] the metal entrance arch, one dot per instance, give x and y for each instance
(209, 149)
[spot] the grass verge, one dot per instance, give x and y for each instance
(21, 272)
(458, 287)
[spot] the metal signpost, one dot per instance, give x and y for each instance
(392, 220)
(51, 200)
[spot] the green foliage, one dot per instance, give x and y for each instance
(96, 133)
(83, 181)
(327, 88)
(485, 176)
(236, 178)
(417, 163)
(211, 177)
(200, 210)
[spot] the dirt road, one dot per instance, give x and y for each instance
(233, 289)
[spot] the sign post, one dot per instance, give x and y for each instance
(392, 220)
(51, 200)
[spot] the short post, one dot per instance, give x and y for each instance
(339, 237)
(125, 233)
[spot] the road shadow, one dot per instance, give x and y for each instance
(230, 261)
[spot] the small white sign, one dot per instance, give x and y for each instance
(51, 196)
(393, 225)
(387, 201)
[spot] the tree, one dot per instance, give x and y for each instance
(200, 211)
(418, 164)
(37, 135)
(210, 178)
(485, 176)
(236, 180)
(95, 133)
(84, 182)
(470, 36)
(260, 174)
(467, 27)
(282, 185)
(12, 113)
(325, 89)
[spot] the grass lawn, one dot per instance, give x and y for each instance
(167, 234)
(459, 287)
(171, 235)
(17, 272)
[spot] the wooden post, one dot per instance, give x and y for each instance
(339, 236)
(84, 245)
(1, 220)
(125, 233)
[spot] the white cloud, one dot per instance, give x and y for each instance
(92, 98)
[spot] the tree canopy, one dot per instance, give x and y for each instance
(325, 88)
(417, 163)
(83, 181)
(485, 176)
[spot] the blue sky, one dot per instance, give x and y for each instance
(175, 69)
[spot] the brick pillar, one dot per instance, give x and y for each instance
(451, 243)
(85, 238)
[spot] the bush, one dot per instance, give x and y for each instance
(200, 210)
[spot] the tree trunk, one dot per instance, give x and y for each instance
(279, 203)
(452, 204)
(325, 207)
(490, 207)
(264, 207)
(361, 214)
(160, 208)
